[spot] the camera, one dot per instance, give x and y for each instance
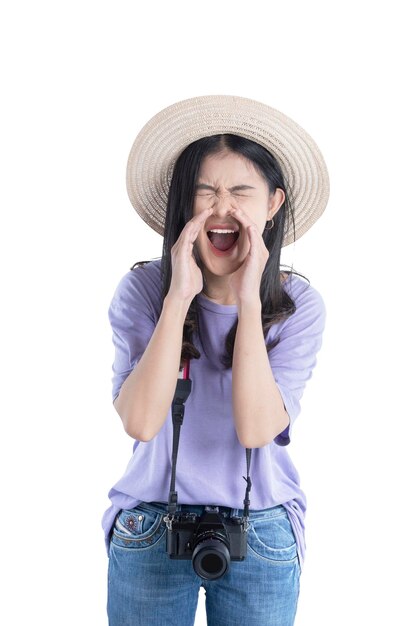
(210, 540)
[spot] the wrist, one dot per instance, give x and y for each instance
(176, 307)
(251, 306)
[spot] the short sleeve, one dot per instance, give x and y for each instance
(133, 316)
(293, 359)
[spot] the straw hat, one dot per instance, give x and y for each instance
(166, 135)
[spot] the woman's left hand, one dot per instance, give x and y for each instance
(245, 282)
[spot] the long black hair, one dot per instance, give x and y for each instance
(276, 302)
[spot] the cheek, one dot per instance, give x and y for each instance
(259, 218)
(200, 204)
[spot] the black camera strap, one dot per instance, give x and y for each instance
(249, 484)
(183, 389)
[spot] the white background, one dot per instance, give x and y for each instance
(79, 79)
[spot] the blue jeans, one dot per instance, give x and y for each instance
(146, 587)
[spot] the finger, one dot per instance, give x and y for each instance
(197, 221)
(242, 217)
(201, 217)
(252, 231)
(195, 225)
(191, 230)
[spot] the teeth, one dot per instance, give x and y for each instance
(221, 230)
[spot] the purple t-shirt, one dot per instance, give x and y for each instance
(211, 461)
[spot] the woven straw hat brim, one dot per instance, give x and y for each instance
(167, 134)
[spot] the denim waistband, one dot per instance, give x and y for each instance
(161, 507)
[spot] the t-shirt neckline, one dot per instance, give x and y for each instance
(224, 309)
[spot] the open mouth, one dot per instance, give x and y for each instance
(223, 240)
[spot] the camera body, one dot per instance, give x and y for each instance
(210, 540)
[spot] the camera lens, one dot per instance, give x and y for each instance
(210, 558)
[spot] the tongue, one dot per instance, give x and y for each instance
(222, 241)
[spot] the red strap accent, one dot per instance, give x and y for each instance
(186, 369)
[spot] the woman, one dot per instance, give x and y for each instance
(228, 181)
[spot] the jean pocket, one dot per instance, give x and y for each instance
(137, 528)
(273, 539)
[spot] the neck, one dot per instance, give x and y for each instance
(216, 288)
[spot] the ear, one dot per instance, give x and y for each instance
(275, 202)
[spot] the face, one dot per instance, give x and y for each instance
(228, 180)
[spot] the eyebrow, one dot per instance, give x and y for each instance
(235, 188)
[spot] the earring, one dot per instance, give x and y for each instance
(272, 224)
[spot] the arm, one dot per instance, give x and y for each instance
(266, 388)
(259, 412)
(146, 395)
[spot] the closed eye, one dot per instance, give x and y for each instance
(210, 194)
(204, 190)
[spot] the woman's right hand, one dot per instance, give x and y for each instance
(186, 277)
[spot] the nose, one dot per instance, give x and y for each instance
(223, 203)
